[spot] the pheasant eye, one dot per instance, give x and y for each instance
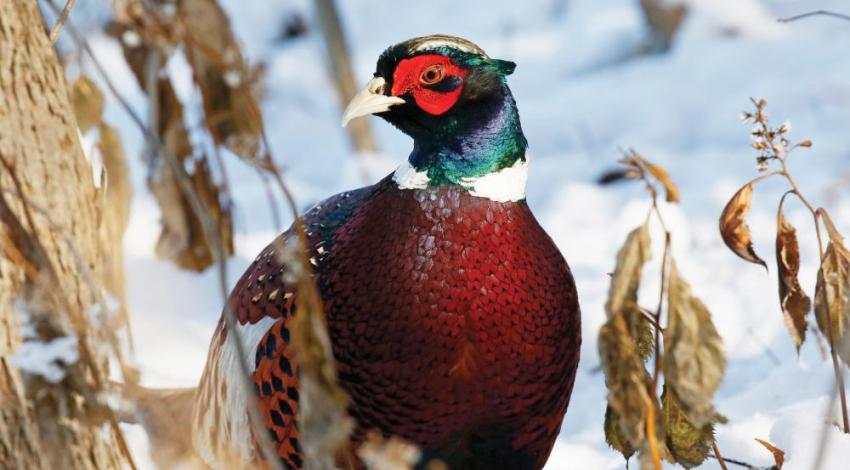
(431, 75)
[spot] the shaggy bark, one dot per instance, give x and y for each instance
(51, 259)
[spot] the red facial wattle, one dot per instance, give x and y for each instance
(408, 78)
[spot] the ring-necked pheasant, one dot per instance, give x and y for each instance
(453, 316)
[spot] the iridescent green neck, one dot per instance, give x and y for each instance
(484, 141)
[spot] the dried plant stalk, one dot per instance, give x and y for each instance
(772, 145)
(678, 430)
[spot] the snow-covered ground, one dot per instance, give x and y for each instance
(579, 104)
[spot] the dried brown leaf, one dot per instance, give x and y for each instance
(183, 239)
(778, 454)
(638, 167)
(87, 100)
(622, 295)
(617, 175)
(693, 361)
(626, 378)
(642, 332)
(227, 84)
(832, 308)
(116, 213)
(734, 229)
(833, 232)
(625, 281)
(794, 302)
(664, 178)
(688, 444)
(614, 434)
(231, 112)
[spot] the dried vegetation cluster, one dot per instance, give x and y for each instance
(679, 425)
(678, 334)
(831, 304)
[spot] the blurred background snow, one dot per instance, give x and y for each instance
(581, 99)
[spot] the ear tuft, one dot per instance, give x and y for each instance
(505, 67)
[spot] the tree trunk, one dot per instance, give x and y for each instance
(342, 72)
(51, 266)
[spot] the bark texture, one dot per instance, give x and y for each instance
(51, 259)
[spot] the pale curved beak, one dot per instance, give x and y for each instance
(369, 100)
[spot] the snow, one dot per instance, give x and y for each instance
(91, 151)
(35, 356)
(47, 358)
(582, 96)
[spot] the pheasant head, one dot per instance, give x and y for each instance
(453, 100)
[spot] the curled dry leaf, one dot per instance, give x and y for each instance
(116, 216)
(201, 29)
(617, 175)
(778, 454)
(87, 100)
(614, 434)
(734, 229)
(638, 167)
(693, 361)
(832, 308)
(794, 302)
(688, 444)
(663, 177)
(182, 238)
(231, 112)
(626, 378)
(622, 295)
(625, 281)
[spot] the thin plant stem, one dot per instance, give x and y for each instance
(650, 317)
(765, 176)
(650, 432)
(824, 434)
(650, 419)
(829, 334)
(656, 316)
(211, 232)
(61, 20)
(275, 212)
(739, 463)
(664, 283)
(653, 442)
(810, 14)
(717, 455)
